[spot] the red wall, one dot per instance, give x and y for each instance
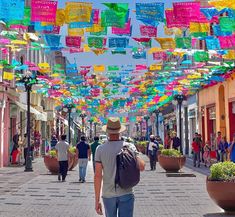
(231, 121)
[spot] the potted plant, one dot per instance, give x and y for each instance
(52, 164)
(160, 149)
(141, 146)
(221, 185)
(171, 160)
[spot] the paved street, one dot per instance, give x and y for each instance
(40, 194)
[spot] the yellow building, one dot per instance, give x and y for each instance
(217, 110)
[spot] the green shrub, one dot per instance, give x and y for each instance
(224, 171)
(171, 152)
(72, 150)
(52, 153)
(161, 147)
(143, 143)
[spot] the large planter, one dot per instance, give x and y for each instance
(52, 163)
(141, 149)
(171, 164)
(223, 194)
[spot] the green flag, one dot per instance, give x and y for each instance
(227, 24)
(120, 9)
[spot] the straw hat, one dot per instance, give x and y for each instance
(113, 126)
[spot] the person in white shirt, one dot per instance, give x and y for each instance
(62, 148)
(152, 152)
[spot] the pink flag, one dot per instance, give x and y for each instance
(96, 16)
(123, 31)
(142, 39)
(43, 11)
(73, 41)
(172, 21)
(186, 9)
(140, 67)
(227, 41)
(149, 31)
(160, 55)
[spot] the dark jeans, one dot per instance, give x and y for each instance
(153, 160)
(196, 158)
(63, 168)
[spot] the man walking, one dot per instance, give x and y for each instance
(115, 199)
(152, 152)
(62, 147)
(84, 154)
(94, 146)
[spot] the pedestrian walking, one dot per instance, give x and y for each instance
(116, 199)
(84, 155)
(206, 155)
(175, 141)
(94, 146)
(152, 152)
(15, 151)
(62, 148)
(159, 140)
(167, 144)
(231, 150)
(223, 149)
(196, 153)
(54, 141)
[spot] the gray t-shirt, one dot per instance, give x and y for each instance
(62, 148)
(106, 154)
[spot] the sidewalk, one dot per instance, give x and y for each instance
(40, 194)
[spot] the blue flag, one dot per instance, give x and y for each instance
(11, 10)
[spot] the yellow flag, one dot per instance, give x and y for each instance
(230, 55)
(20, 42)
(99, 68)
(154, 50)
(221, 4)
(60, 17)
(44, 67)
(95, 28)
(166, 43)
(155, 67)
(199, 27)
(99, 51)
(8, 76)
(75, 32)
(86, 48)
(78, 12)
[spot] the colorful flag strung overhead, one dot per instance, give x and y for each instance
(149, 31)
(96, 42)
(11, 10)
(184, 43)
(25, 21)
(218, 32)
(118, 42)
(186, 10)
(173, 21)
(52, 40)
(199, 27)
(8, 76)
(113, 68)
(120, 9)
(99, 68)
(71, 69)
(60, 17)
(55, 30)
(78, 12)
(76, 32)
(227, 42)
(212, 43)
(227, 24)
(160, 56)
(123, 31)
(221, 4)
(73, 41)
(43, 11)
(111, 19)
(166, 43)
(201, 56)
(150, 12)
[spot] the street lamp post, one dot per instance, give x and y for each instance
(180, 98)
(90, 121)
(95, 124)
(137, 128)
(141, 129)
(28, 81)
(156, 112)
(146, 118)
(68, 108)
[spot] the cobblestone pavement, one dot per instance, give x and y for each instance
(40, 194)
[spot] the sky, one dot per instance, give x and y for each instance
(108, 58)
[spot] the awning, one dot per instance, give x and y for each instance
(40, 116)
